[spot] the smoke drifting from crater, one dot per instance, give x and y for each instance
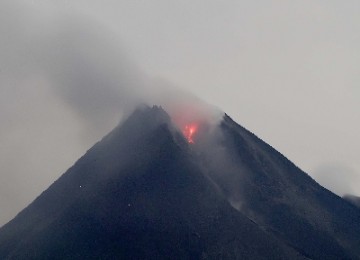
(65, 79)
(285, 70)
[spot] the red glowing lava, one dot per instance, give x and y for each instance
(189, 132)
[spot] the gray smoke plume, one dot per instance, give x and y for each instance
(65, 79)
(287, 71)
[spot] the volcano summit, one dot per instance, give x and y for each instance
(152, 190)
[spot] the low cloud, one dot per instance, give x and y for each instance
(338, 178)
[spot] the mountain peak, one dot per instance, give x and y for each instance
(155, 113)
(146, 192)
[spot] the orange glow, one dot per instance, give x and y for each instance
(189, 132)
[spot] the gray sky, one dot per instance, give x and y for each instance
(289, 71)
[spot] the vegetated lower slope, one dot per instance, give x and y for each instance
(140, 193)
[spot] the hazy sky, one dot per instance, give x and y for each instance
(289, 71)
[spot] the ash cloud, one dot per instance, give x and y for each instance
(66, 80)
(82, 63)
(79, 60)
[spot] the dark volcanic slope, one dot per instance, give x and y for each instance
(140, 193)
(143, 192)
(279, 197)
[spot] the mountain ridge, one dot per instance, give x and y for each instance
(144, 192)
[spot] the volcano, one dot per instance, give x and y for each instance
(149, 190)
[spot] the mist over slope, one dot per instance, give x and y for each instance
(355, 200)
(145, 191)
(280, 197)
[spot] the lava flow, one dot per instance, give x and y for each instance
(189, 132)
